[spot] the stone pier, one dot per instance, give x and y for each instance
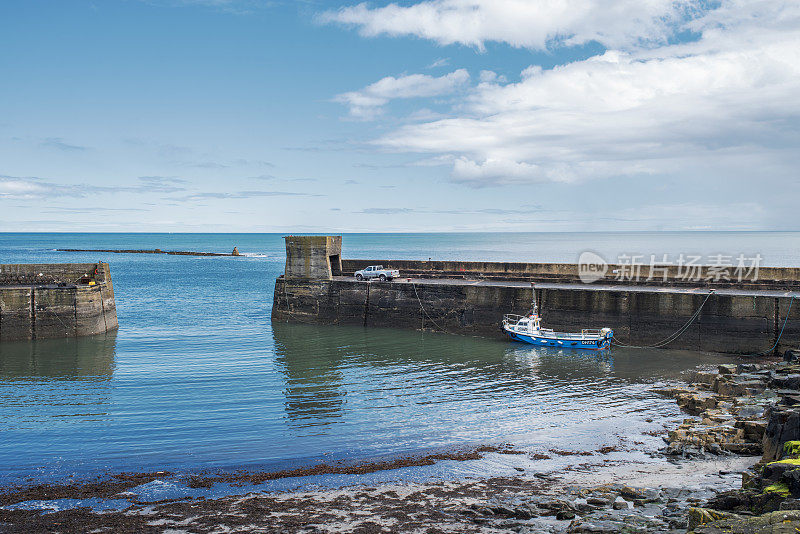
(470, 298)
(40, 301)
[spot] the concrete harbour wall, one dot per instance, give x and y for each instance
(41, 301)
(471, 298)
(670, 275)
(742, 324)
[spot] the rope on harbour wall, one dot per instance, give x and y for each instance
(672, 337)
(49, 302)
(423, 308)
(780, 335)
(286, 296)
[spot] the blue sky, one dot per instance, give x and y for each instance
(433, 115)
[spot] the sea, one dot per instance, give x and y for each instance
(198, 378)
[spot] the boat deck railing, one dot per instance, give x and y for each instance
(512, 321)
(587, 333)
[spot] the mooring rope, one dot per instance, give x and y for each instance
(50, 303)
(780, 335)
(423, 309)
(672, 337)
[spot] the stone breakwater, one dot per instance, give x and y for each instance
(152, 251)
(40, 301)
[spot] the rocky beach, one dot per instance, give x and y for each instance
(733, 465)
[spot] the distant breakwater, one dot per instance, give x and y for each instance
(152, 251)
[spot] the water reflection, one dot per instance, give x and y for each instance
(59, 358)
(47, 384)
(332, 370)
(313, 379)
(328, 367)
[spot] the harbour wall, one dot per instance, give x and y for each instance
(42, 301)
(666, 275)
(736, 318)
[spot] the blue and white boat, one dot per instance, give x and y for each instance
(528, 329)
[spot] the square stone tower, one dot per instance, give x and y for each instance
(313, 257)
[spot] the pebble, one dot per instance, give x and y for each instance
(622, 504)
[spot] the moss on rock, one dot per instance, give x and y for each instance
(787, 461)
(791, 448)
(780, 488)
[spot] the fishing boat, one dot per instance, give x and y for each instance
(528, 329)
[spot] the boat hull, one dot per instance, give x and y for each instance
(583, 344)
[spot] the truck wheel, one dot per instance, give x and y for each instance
(382, 277)
(359, 277)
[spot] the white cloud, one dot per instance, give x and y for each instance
(722, 107)
(367, 103)
(441, 62)
(498, 171)
(489, 76)
(30, 187)
(522, 23)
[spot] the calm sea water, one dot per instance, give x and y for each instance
(197, 377)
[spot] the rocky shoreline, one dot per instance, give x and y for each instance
(732, 466)
(751, 408)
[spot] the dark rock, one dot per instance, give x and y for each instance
(775, 470)
(791, 355)
(597, 526)
(738, 388)
(792, 479)
(565, 515)
(763, 503)
(790, 381)
(783, 424)
(730, 501)
(753, 430)
(502, 510)
(482, 510)
(790, 504)
(777, 522)
(747, 449)
(791, 399)
(703, 516)
(638, 493)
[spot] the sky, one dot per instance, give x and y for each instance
(413, 116)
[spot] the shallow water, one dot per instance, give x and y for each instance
(198, 377)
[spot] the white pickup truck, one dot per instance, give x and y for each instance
(377, 271)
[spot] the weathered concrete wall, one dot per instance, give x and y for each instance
(41, 301)
(727, 323)
(767, 277)
(313, 257)
(744, 316)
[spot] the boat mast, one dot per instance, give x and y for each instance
(535, 307)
